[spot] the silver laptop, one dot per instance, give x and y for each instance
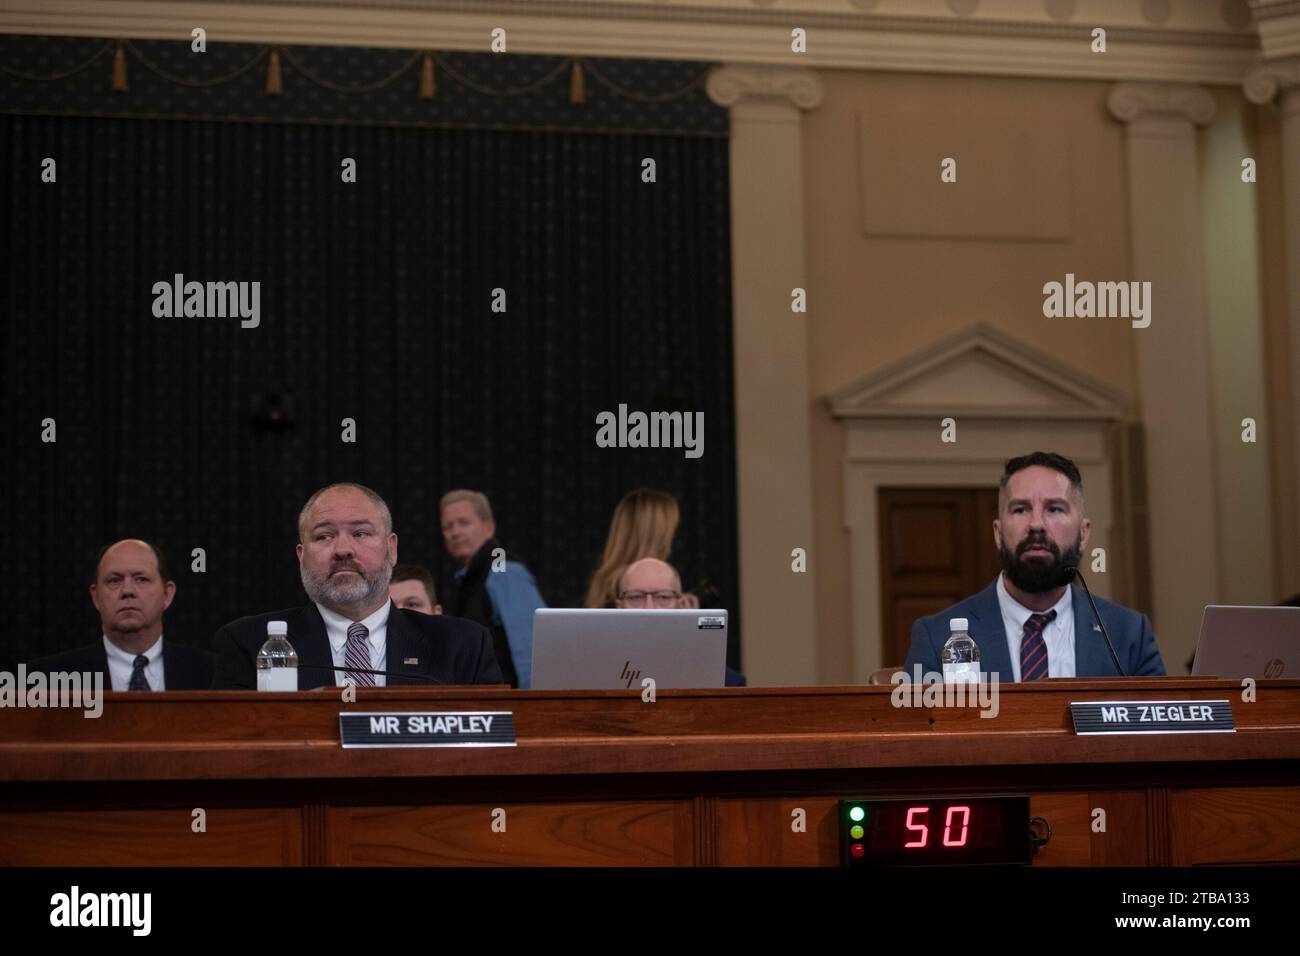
(605, 649)
(1258, 642)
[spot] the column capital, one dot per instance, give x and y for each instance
(730, 84)
(1137, 101)
(1267, 79)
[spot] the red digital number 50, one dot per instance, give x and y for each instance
(924, 831)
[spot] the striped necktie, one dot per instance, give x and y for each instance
(138, 680)
(357, 654)
(1033, 649)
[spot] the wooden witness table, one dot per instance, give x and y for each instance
(697, 778)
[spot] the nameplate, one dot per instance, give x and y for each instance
(492, 728)
(1153, 717)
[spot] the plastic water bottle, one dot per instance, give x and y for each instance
(961, 656)
(277, 661)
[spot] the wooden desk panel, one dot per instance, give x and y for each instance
(544, 834)
(1225, 826)
(269, 836)
(602, 778)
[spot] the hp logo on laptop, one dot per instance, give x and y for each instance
(1274, 667)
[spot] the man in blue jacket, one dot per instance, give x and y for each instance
(497, 592)
(1031, 623)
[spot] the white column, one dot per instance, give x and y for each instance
(773, 450)
(1249, 513)
(1173, 356)
(1280, 81)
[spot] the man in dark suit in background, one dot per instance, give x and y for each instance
(346, 552)
(131, 588)
(1031, 623)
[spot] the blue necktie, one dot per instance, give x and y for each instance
(138, 680)
(1033, 649)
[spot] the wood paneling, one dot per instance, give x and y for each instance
(232, 735)
(1126, 814)
(700, 778)
(234, 837)
(551, 834)
(936, 548)
(1158, 826)
(759, 832)
(1068, 815)
(923, 537)
(1235, 825)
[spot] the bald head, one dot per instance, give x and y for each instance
(650, 574)
(356, 497)
(132, 546)
(650, 582)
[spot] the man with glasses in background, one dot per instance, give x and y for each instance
(651, 583)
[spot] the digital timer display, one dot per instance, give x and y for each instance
(952, 831)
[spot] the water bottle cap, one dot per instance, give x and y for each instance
(277, 627)
(958, 624)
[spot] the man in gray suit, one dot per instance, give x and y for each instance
(1031, 623)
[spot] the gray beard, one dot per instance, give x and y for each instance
(346, 594)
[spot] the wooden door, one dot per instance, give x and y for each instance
(936, 547)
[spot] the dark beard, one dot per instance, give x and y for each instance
(1037, 576)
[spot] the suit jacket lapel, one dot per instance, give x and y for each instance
(1091, 659)
(398, 644)
(101, 663)
(990, 633)
(176, 670)
(313, 649)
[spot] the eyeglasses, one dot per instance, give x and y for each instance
(660, 598)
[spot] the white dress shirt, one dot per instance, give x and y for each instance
(336, 631)
(121, 665)
(1058, 635)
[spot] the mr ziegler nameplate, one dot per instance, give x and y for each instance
(1153, 717)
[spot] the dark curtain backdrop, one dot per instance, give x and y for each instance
(375, 305)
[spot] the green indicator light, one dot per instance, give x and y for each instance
(856, 832)
(856, 814)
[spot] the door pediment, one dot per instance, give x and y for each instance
(981, 372)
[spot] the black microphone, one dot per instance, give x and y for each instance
(1073, 572)
(362, 670)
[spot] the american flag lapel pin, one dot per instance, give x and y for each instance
(410, 660)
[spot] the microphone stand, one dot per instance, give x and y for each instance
(1114, 659)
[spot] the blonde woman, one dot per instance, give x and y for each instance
(642, 527)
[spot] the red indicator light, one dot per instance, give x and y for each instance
(857, 850)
